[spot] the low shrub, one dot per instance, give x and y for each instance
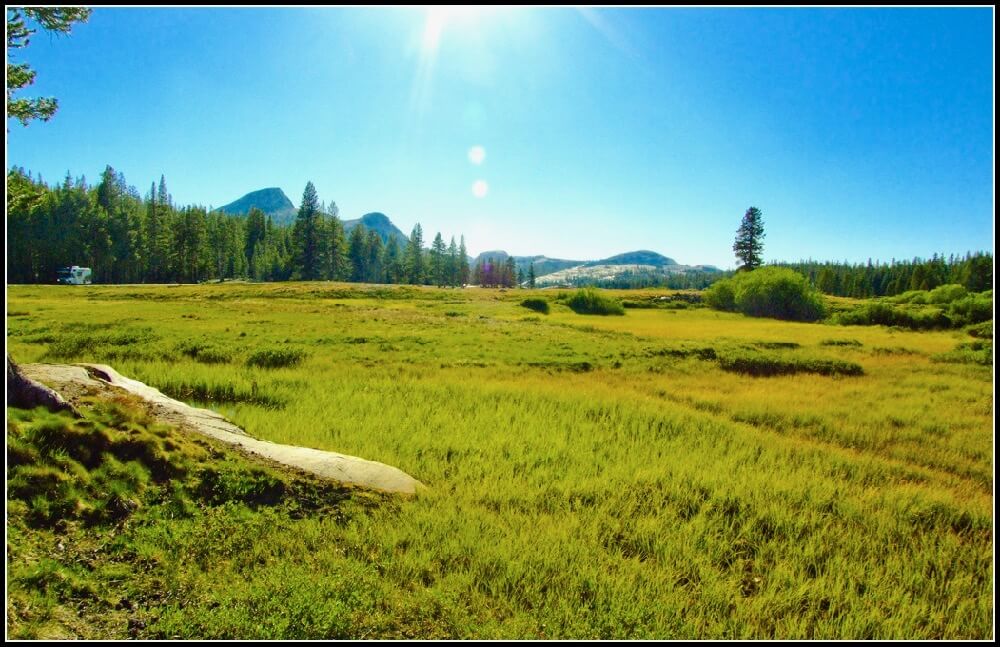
(538, 305)
(946, 294)
(589, 301)
(840, 342)
(972, 308)
(982, 330)
(721, 295)
(918, 297)
(761, 365)
(881, 313)
(684, 351)
(276, 357)
(975, 352)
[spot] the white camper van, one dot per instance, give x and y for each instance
(75, 275)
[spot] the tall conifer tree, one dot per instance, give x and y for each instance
(308, 237)
(750, 240)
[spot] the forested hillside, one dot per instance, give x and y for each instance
(129, 238)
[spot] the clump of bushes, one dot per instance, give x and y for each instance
(982, 330)
(947, 294)
(941, 295)
(589, 301)
(776, 292)
(538, 305)
(903, 311)
(840, 342)
(884, 314)
(276, 357)
(972, 308)
(684, 351)
(761, 365)
(979, 352)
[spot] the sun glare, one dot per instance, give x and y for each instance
(440, 17)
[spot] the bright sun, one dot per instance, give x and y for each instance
(439, 17)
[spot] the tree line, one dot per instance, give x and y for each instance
(974, 271)
(642, 279)
(127, 238)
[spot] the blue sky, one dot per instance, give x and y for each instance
(858, 132)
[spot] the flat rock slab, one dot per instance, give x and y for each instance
(73, 381)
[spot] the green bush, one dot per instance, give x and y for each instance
(918, 297)
(721, 295)
(276, 357)
(885, 314)
(982, 330)
(589, 301)
(972, 308)
(840, 342)
(946, 294)
(761, 365)
(775, 292)
(538, 305)
(976, 352)
(963, 311)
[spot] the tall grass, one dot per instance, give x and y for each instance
(654, 495)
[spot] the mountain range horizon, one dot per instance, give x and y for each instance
(275, 204)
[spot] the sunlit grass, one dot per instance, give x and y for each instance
(590, 477)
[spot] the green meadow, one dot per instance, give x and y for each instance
(675, 472)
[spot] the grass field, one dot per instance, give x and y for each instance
(589, 477)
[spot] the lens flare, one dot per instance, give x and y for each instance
(477, 154)
(480, 188)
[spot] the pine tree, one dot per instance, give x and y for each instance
(509, 273)
(463, 263)
(373, 257)
(453, 270)
(308, 237)
(20, 75)
(156, 234)
(437, 261)
(531, 276)
(414, 256)
(479, 273)
(750, 239)
(255, 227)
(392, 265)
(357, 253)
(337, 260)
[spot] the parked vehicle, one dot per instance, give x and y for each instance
(75, 275)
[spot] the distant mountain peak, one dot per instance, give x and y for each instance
(379, 223)
(272, 201)
(376, 219)
(638, 257)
